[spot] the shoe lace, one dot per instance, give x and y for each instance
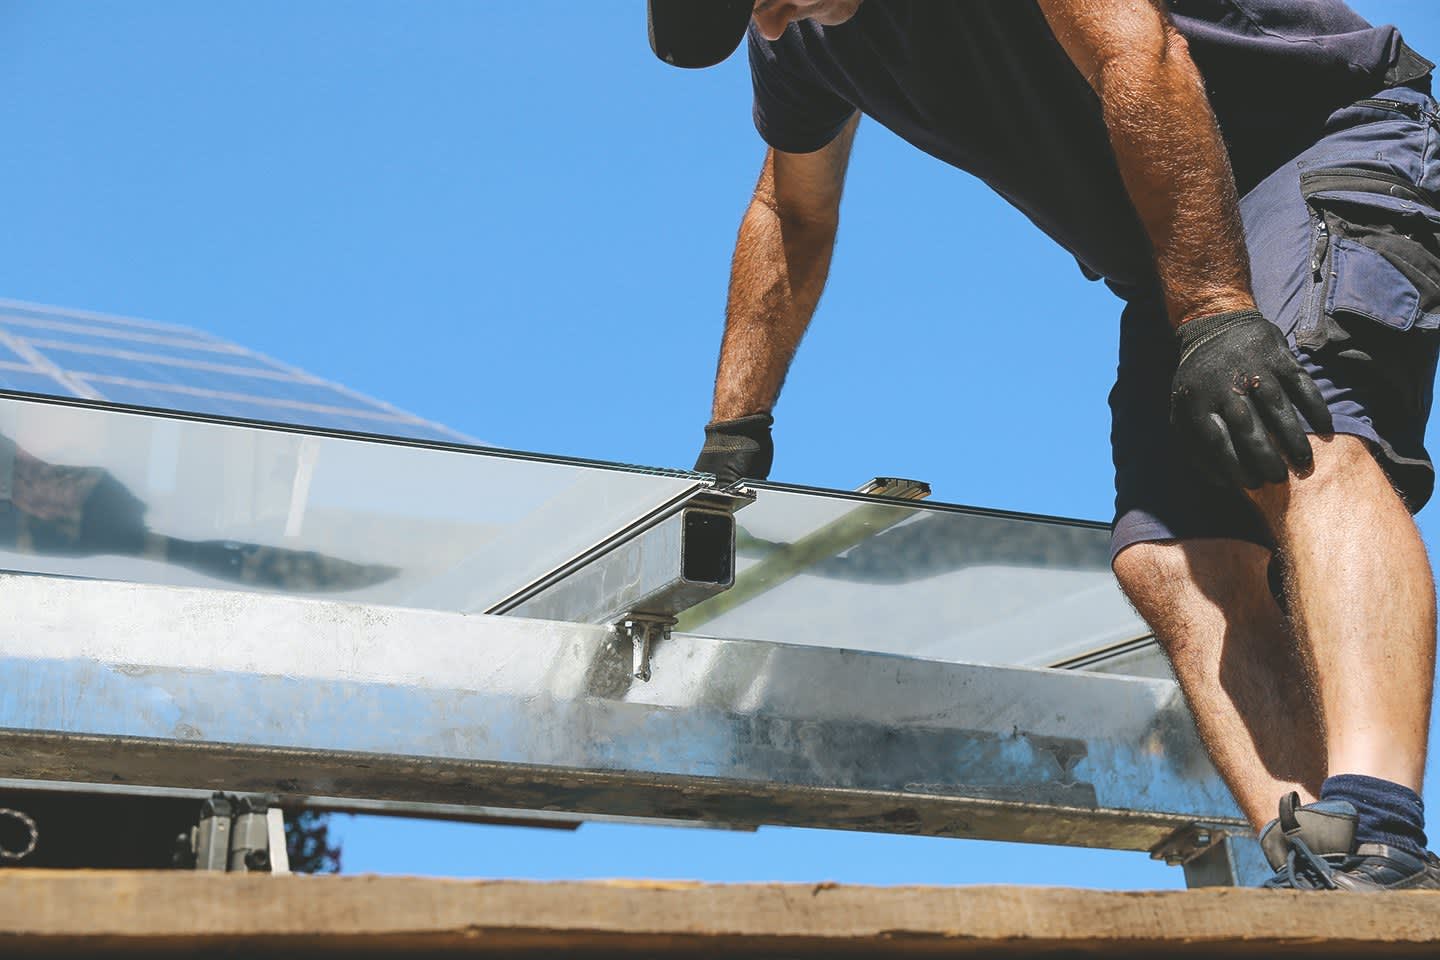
(1303, 870)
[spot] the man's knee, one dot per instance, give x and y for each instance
(1344, 466)
(1147, 570)
(1163, 578)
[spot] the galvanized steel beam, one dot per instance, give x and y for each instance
(106, 682)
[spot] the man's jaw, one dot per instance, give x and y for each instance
(773, 16)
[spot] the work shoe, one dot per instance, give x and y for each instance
(1312, 847)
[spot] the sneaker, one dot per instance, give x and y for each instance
(1312, 847)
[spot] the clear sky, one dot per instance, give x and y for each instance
(510, 218)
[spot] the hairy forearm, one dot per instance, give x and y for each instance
(1176, 170)
(781, 261)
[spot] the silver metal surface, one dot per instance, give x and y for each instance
(470, 813)
(659, 570)
(895, 488)
(1236, 860)
(158, 686)
(1215, 855)
(643, 633)
(275, 838)
(210, 839)
(250, 836)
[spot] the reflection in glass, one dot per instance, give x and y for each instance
(120, 495)
(75, 511)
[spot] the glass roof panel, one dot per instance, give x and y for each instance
(30, 381)
(284, 387)
(354, 419)
(41, 334)
(121, 495)
(926, 580)
(124, 495)
(36, 311)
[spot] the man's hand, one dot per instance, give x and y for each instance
(737, 449)
(1238, 386)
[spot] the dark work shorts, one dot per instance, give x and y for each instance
(1345, 250)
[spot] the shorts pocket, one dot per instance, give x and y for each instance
(1364, 283)
(1376, 255)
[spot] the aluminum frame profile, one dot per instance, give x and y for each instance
(658, 568)
(175, 687)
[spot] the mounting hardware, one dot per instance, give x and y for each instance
(659, 567)
(895, 488)
(643, 631)
(1213, 856)
(1187, 843)
(236, 833)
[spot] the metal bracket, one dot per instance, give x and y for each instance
(643, 632)
(895, 488)
(639, 580)
(1213, 855)
(236, 833)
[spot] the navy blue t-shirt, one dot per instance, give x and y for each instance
(985, 86)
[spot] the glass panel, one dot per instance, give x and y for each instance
(128, 368)
(125, 496)
(358, 422)
(25, 311)
(924, 580)
(27, 381)
(118, 495)
(39, 333)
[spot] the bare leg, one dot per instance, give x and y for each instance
(1210, 606)
(1363, 598)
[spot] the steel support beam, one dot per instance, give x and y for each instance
(134, 684)
(667, 566)
(641, 578)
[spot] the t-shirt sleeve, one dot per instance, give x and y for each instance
(795, 112)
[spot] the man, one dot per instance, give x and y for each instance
(1256, 179)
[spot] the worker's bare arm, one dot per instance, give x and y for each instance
(1167, 145)
(782, 257)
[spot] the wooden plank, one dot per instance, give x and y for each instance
(110, 913)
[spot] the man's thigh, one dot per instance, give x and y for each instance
(1345, 256)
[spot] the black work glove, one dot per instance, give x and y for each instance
(1234, 398)
(736, 449)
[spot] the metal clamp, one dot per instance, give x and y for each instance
(1213, 855)
(238, 834)
(1187, 843)
(643, 631)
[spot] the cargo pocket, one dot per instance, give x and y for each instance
(1375, 259)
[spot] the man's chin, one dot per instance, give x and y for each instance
(840, 13)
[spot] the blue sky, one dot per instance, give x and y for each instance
(509, 218)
